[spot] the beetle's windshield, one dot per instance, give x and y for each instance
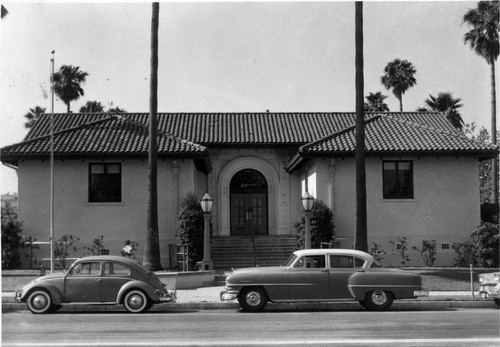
(290, 260)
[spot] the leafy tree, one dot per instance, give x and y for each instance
(482, 251)
(33, 115)
(446, 103)
(322, 227)
(377, 251)
(375, 103)
(11, 238)
(399, 75)
(152, 259)
(116, 110)
(483, 40)
(67, 84)
(96, 247)
(92, 107)
(28, 245)
(190, 228)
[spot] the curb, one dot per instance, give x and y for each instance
(274, 307)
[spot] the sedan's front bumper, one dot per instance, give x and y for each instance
(489, 290)
(228, 295)
(423, 292)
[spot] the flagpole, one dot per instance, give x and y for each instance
(52, 167)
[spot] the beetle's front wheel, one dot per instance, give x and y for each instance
(39, 301)
(253, 299)
(136, 301)
(378, 300)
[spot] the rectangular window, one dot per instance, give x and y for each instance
(445, 246)
(105, 182)
(398, 179)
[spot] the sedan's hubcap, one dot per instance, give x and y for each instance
(379, 297)
(253, 298)
(135, 301)
(39, 301)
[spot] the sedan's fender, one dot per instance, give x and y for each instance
(55, 293)
(357, 285)
(147, 289)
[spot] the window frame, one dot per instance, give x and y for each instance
(91, 187)
(385, 193)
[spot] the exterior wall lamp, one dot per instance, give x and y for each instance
(206, 206)
(307, 205)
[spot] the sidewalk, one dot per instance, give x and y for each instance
(207, 298)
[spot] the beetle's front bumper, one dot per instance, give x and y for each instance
(171, 296)
(18, 296)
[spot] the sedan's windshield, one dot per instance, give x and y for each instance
(290, 260)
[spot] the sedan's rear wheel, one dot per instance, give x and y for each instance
(378, 300)
(253, 299)
(39, 301)
(136, 301)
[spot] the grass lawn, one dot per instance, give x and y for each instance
(435, 279)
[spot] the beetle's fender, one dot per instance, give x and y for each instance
(357, 285)
(54, 292)
(147, 289)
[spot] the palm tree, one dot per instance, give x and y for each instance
(33, 115)
(483, 39)
(361, 237)
(92, 107)
(67, 83)
(116, 110)
(446, 103)
(399, 75)
(152, 258)
(375, 103)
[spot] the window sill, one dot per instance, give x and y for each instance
(105, 204)
(398, 200)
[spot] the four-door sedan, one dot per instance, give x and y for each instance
(323, 275)
(97, 280)
(489, 286)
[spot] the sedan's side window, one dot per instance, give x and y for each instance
(87, 269)
(115, 269)
(311, 262)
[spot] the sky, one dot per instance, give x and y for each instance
(233, 57)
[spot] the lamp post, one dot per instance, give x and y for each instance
(51, 238)
(206, 206)
(307, 204)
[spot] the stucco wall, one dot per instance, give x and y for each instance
(117, 222)
(445, 208)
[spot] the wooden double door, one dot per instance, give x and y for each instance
(248, 214)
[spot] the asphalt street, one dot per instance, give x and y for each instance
(448, 327)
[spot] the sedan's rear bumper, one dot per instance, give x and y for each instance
(423, 292)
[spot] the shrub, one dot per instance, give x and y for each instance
(27, 245)
(377, 252)
(96, 247)
(63, 245)
(428, 252)
(11, 239)
(482, 251)
(322, 226)
(190, 226)
(129, 249)
(402, 247)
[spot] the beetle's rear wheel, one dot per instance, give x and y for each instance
(253, 299)
(378, 300)
(39, 301)
(136, 301)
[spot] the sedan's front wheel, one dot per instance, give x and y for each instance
(136, 301)
(39, 301)
(253, 299)
(378, 300)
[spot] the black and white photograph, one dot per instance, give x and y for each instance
(249, 173)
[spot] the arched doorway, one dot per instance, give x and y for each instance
(248, 205)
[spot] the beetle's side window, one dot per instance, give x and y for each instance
(311, 262)
(115, 269)
(87, 269)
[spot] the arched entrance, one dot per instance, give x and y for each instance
(248, 203)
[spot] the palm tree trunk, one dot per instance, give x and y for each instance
(401, 103)
(68, 109)
(152, 259)
(361, 238)
(494, 174)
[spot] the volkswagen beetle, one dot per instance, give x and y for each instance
(323, 275)
(97, 280)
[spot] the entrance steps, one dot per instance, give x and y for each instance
(237, 251)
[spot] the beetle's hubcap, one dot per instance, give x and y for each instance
(253, 298)
(379, 297)
(39, 301)
(136, 301)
